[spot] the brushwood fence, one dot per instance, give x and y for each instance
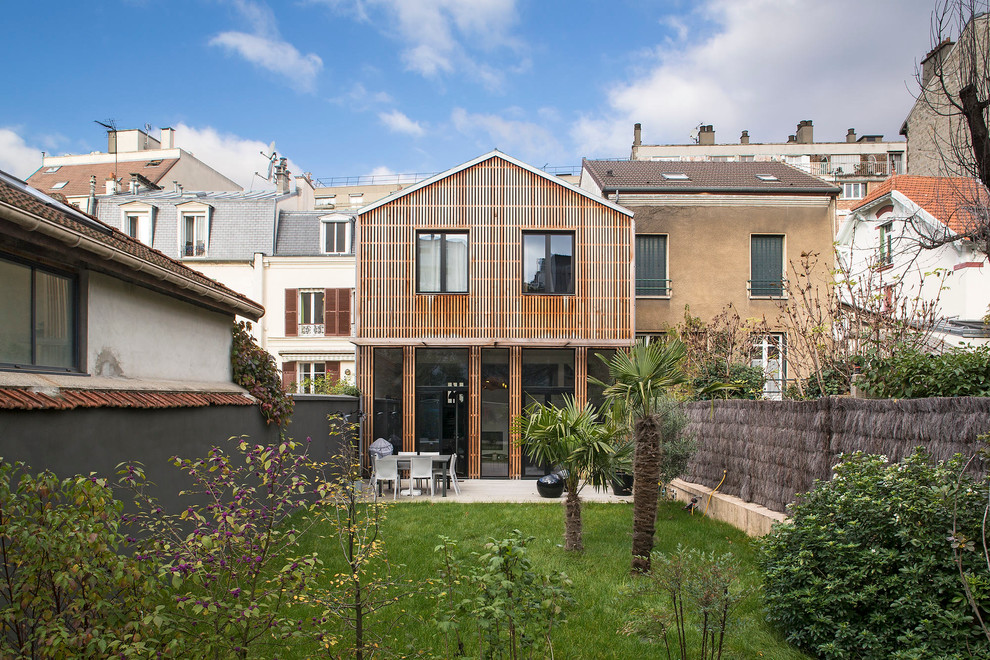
(772, 450)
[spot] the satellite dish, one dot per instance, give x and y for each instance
(272, 157)
(694, 133)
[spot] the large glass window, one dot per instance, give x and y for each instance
(547, 375)
(651, 265)
(442, 402)
(548, 263)
(495, 412)
(598, 369)
(442, 262)
(38, 308)
(387, 412)
(766, 266)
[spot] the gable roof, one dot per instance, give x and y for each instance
(77, 176)
(480, 159)
(703, 176)
(99, 243)
(949, 200)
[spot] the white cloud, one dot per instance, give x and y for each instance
(444, 36)
(520, 138)
(398, 122)
(266, 49)
(16, 157)
(233, 156)
(762, 66)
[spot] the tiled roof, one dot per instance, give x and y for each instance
(94, 229)
(77, 176)
(947, 199)
(708, 176)
(23, 399)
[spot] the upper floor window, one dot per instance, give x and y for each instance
(441, 262)
(548, 263)
(651, 265)
(311, 308)
(194, 229)
(39, 311)
(853, 190)
(337, 235)
(886, 244)
(766, 266)
(318, 312)
(137, 222)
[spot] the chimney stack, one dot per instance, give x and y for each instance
(932, 64)
(282, 176)
(637, 134)
(134, 186)
(744, 138)
(111, 185)
(791, 139)
(168, 138)
(804, 132)
(706, 135)
(851, 135)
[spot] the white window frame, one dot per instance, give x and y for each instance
(850, 186)
(308, 370)
(346, 220)
(310, 327)
(885, 236)
(775, 375)
(198, 210)
(145, 214)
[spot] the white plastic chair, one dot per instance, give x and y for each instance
(421, 467)
(386, 469)
(451, 473)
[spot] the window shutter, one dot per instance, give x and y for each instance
(288, 374)
(343, 312)
(651, 265)
(767, 265)
(329, 312)
(333, 371)
(291, 317)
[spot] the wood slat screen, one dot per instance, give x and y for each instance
(495, 201)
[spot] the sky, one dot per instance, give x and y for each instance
(358, 87)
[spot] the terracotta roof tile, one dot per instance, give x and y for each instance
(713, 176)
(948, 199)
(77, 176)
(22, 399)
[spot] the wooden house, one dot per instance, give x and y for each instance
(479, 291)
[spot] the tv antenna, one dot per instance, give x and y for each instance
(147, 133)
(111, 127)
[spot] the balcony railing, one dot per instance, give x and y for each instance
(864, 168)
(652, 287)
(767, 288)
(311, 329)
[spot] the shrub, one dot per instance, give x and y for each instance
(254, 369)
(327, 385)
(748, 381)
(834, 381)
(865, 568)
(65, 590)
(912, 374)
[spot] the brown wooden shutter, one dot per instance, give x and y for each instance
(329, 312)
(333, 371)
(288, 374)
(344, 312)
(291, 317)
(337, 312)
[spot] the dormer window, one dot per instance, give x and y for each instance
(194, 229)
(137, 221)
(675, 176)
(336, 233)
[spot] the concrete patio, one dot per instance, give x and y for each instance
(506, 490)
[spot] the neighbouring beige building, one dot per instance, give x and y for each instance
(713, 233)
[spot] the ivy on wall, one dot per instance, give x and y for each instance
(255, 370)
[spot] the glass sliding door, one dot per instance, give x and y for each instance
(547, 376)
(442, 402)
(388, 396)
(495, 412)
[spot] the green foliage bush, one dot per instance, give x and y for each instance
(65, 590)
(865, 568)
(327, 385)
(912, 374)
(748, 380)
(254, 369)
(834, 381)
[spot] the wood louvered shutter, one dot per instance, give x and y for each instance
(332, 371)
(337, 312)
(288, 374)
(291, 316)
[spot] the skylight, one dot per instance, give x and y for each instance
(675, 176)
(55, 168)
(60, 185)
(767, 177)
(153, 163)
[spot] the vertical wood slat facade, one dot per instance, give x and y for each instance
(494, 200)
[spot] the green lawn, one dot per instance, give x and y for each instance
(600, 574)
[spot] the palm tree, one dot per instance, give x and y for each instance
(640, 379)
(574, 439)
